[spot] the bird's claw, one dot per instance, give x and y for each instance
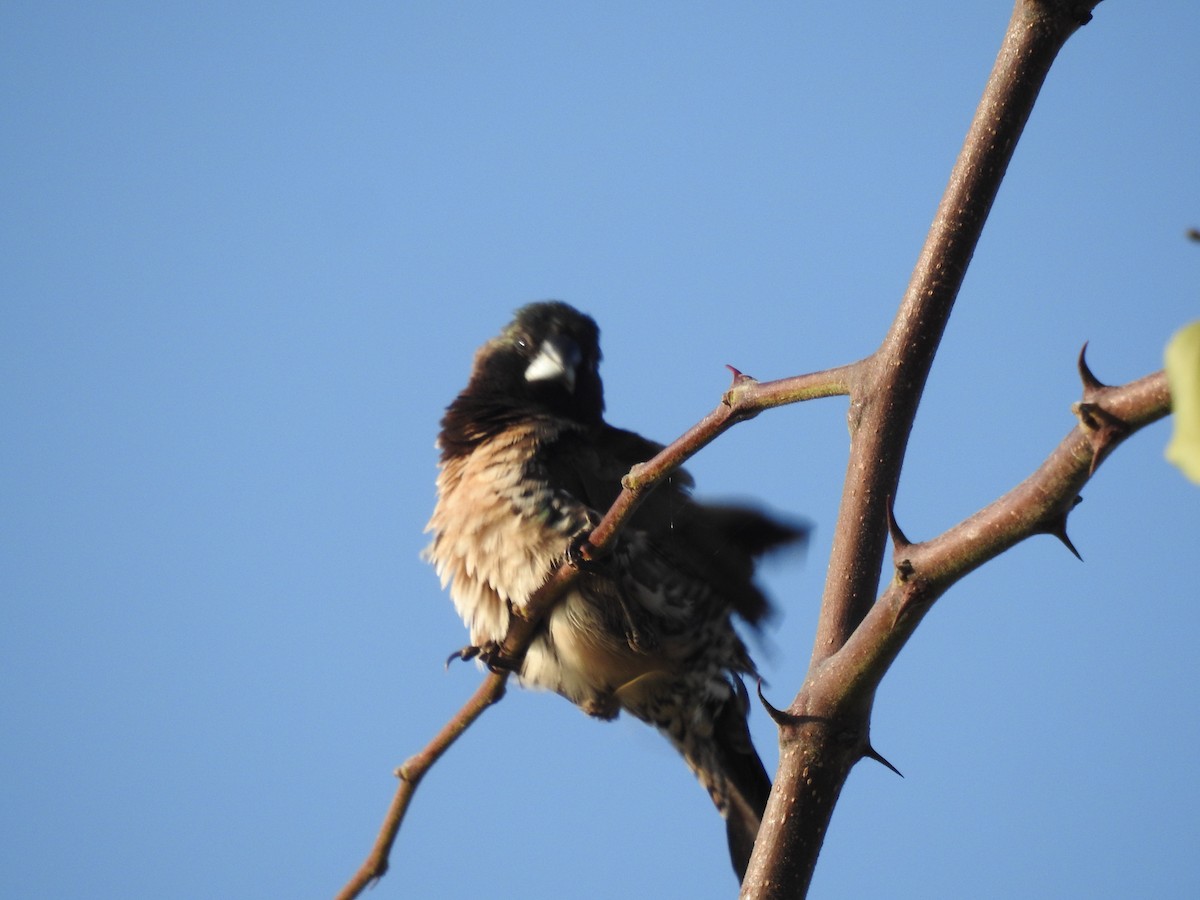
(489, 653)
(582, 553)
(463, 653)
(640, 640)
(640, 637)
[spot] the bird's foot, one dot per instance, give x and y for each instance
(489, 653)
(640, 640)
(601, 706)
(582, 554)
(638, 635)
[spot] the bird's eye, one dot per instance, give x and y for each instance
(522, 342)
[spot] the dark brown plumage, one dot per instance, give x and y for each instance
(528, 466)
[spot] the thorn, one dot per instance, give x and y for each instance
(1058, 528)
(899, 541)
(1062, 536)
(1091, 384)
(740, 379)
(872, 753)
(738, 375)
(782, 719)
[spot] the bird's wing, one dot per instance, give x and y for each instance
(715, 545)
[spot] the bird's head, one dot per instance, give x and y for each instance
(545, 362)
(546, 359)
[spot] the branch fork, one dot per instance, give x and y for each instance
(825, 730)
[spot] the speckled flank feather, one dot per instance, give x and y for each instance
(498, 533)
(528, 464)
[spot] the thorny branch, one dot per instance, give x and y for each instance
(825, 730)
(829, 726)
(1038, 505)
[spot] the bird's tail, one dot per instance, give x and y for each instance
(713, 737)
(729, 768)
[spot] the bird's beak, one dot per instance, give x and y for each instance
(557, 359)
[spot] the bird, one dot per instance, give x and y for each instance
(528, 466)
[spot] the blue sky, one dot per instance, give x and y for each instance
(248, 252)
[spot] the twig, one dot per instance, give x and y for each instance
(410, 775)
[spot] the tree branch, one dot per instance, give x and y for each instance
(822, 743)
(745, 398)
(828, 724)
(923, 572)
(885, 399)
(825, 730)
(410, 775)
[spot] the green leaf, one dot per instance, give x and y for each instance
(1183, 377)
